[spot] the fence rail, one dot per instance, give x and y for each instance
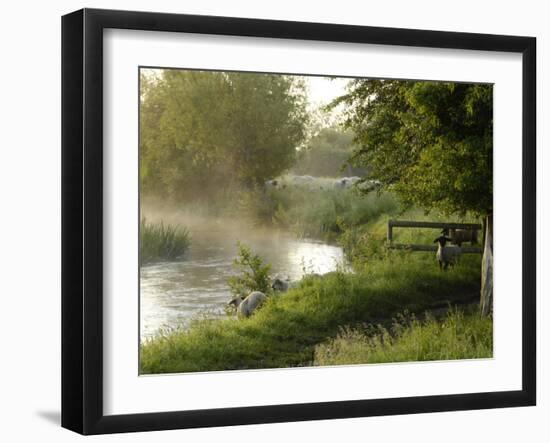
(430, 225)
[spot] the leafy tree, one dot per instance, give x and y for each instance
(205, 131)
(432, 141)
(327, 154)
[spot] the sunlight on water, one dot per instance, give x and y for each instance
(173, 293)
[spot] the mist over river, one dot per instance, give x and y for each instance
(173, 293)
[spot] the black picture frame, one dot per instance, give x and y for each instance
(82, 218)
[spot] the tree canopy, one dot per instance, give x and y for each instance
(432, 142)
(326, 154)
(202, 131)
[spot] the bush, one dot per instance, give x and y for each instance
(253, 276)
(158, 241)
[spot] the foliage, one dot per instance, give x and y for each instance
(286, 330)
(253, 273)
(258, 205)
(327, 155)
(316, 213)
(432, 141)
(362, 244)
(202, 132)
(158, 241)
(458, 336)
(366, 242)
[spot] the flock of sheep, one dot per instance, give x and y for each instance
(310, 182)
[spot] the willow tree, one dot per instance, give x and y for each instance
(433, 143)
(202, 132)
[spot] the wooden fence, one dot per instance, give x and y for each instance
(430, 225)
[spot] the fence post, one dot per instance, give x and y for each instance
(486, 301)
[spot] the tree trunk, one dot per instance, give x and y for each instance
(486, 300)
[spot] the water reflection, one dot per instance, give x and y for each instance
(173, 293)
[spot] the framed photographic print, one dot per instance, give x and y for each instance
(269, 221)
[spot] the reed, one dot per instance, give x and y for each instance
(159, 241)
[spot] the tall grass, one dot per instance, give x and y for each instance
(317, 213)
(285, 331)
(458, 336)
(158, 241)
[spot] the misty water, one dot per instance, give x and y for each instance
(173, 293)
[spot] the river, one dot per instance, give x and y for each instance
(173, 293)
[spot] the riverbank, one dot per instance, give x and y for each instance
(173, 293)
(289, 327)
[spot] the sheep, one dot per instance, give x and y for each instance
(368, 185)
(459, 236)
(302, 180)
(282, 285)
(247, 306)
(446, 254)
(353, 180)
(346, 182)
(341, 182)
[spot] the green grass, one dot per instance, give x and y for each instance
(158, 241)
(316, 213)
(291, 329)
(287, 329)
(364, 242)
(458, 336)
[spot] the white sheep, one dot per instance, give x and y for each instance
(341, 183)
(302, 180)
(247, 306)
(353, 180)
(446, 254)
(282, 285)
(368, 185)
